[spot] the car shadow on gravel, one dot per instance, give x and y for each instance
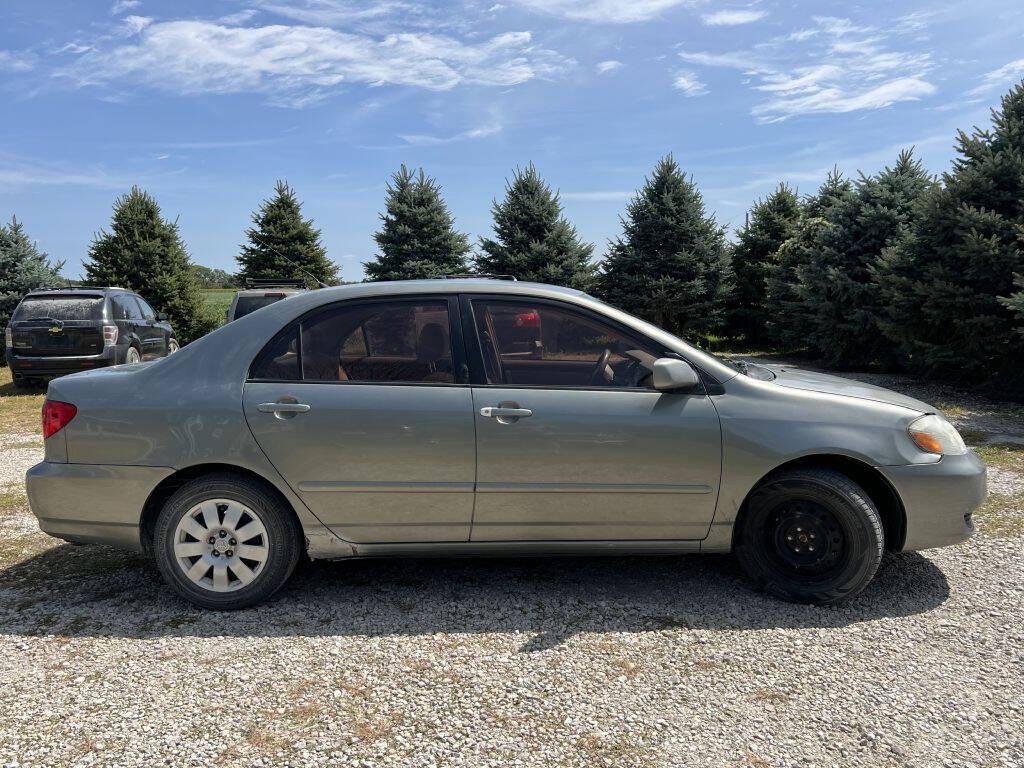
(98, 591)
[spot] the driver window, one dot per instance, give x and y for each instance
(543, 345)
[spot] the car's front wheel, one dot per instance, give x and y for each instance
(172, 346)
(226, 542)
(811, 536)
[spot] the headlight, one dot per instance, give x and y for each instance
(933, 434)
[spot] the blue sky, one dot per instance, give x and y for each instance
(205, 104)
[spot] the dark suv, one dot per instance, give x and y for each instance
(64, 330)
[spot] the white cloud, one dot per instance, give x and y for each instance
(834, 67)
(603, 67)
(123, 5)
(1004, 77)
(732, 18)
(16, 61)
(132, 25)
(607, 11)
(426, 140)
(687, 81)
(74, 48)
(331, 13)
(297, 65)
(238, 18)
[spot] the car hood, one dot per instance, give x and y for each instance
(796, 378)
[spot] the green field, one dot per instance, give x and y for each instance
(216, 302)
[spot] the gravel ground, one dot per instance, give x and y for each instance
(586, 662)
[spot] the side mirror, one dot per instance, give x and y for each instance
(671, 375)
(162, 317)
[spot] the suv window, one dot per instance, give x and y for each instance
(544, 345)
(123, 307)
(394, 341)
(147, 311)
(60, 307)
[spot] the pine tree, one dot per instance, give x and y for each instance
(1015, 303)
(788, 323)
(841, 302)
(533, 240)
(417, 238)
(671, 264)
(144, 253)
(283, 245)
(769, 224)
(23, 267)
(942, 284)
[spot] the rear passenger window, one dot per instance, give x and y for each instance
(119, 308)
(403, 341)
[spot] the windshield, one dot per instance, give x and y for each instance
(56, 307)
(247, 304)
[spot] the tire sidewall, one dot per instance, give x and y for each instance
(282, 532)
(853, 511)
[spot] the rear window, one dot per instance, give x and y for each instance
(247, 304)
(56, 307)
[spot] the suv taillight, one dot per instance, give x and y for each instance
(109, 335)
(56, 416)
(8, 338)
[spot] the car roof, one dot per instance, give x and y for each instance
(267, 289)
(83, 290)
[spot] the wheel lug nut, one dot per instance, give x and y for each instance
(811, 548)
(212, 540)
(229, 553)
(232, 542)
(223, 534)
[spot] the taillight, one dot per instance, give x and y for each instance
(274, 295)
(8, 337)
(109, 335)
(56, 416)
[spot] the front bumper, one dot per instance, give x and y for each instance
(939, 499)
(92, 503)
(48, 367)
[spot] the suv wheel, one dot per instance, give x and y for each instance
(811, 536)
(132, 356)
(172, 346)
(225, 542)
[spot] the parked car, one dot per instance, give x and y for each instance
(411, 418)
(260, 293)
(64, 330)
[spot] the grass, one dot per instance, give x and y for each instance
(216, 302)
(19, 408)
(1009, 456)
(1002, 516)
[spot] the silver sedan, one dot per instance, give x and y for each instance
(488, 417)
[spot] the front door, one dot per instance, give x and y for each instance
(573, 444)
(154, 343)
(363, 410)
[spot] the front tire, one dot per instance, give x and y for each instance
(811, 536)
(226, 542)
(172, 346)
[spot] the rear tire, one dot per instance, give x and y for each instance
(811, 536)
(132, 356)
(226, 542)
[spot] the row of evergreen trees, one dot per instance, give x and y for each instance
(896, 269)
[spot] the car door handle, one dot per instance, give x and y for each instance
(496, 412)
(282, 408)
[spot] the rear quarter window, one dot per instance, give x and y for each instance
(57, 307)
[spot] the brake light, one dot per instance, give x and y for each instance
(8, 337)
(528, 320)
(274, 295)
(56, 416)
(109, 335)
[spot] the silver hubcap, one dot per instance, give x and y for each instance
(221, 545)
(172, 347)
(133, 356)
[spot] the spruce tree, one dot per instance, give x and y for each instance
(769, 224)
(841, 302)
(671, 264)
(788, 323)
(23, 267)
(1015, 303)
(943, 283)
(144, 253)
(533, 240)
(417, 238)
(283, 245)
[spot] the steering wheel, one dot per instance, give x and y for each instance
(597, 376)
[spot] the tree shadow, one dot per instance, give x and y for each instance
(102, 592)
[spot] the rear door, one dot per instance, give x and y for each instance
(364, 407)
(59, 325)
(154, 341)
(126, 315)
(573, 443)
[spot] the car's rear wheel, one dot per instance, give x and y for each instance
(226, 542)
(132, 356)
(811, 536)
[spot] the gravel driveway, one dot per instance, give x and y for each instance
(584, 662)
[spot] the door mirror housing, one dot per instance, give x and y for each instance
(162, 317)
(671, 375)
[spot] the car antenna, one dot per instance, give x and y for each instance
(320, 283)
